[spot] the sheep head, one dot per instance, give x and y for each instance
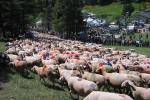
(33, 68)
(128, 83)
(76, 73)
(11, 64)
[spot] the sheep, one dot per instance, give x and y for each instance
(97, 95)
(32, 59)
(98, 79)
(113, 79)
(49, 62)
(45, 72)
(13, 57)
(70, 66)
(80, 86)
(145, 76)
(18, 64)
(139, 93)
(132, 77)
(11, 50)
(64, 72)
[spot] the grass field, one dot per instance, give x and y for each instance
(141, 50)
(110, 11)
(16, 87)
(19, 88)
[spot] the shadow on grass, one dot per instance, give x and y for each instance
(5, 73)
(26, 75)
(53, 87)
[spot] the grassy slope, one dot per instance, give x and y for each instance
(114, 9)
(19, 88)
(145, 51)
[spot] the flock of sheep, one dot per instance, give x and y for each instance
(85, 68)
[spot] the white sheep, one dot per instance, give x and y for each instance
(139, 93)
(97, 95)
(80, 86)
(97, 78)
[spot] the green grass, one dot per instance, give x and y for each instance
(114, 8)
(2, 47)
(141, 50)
(19, 88)
(111, 11)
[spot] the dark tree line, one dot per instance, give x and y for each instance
(67, 17)
(99, 2)
(16, 15)
(63, 16)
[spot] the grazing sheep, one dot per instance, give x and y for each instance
(139, 93)
(80, 86)
(97, 78)
(145, 77)
(113, 79)
(42, 71)
(32, 59)
(64, 72)
(11, 50)
(97, 95)
(18, 64)
(45, 72)
(70, 66)
(128, 76)
(49, 62)
(13, 57)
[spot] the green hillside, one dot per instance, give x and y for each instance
(111, 11)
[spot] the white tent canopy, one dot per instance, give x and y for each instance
(94, 22)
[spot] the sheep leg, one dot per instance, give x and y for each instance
(42, 80)
(73, 97)
(53, 82)
(120, 90)
(102, 87)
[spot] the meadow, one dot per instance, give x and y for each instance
(111, 11)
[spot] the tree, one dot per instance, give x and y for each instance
(104, 2)
(16, 15)
(90, 2)
(128, 8)
(142, 4)
(67, 16)
(58, 16)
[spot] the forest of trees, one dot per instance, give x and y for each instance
(63, 16)
(16, 15)
(60, 15)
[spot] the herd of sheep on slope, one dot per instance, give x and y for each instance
(85, 68)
